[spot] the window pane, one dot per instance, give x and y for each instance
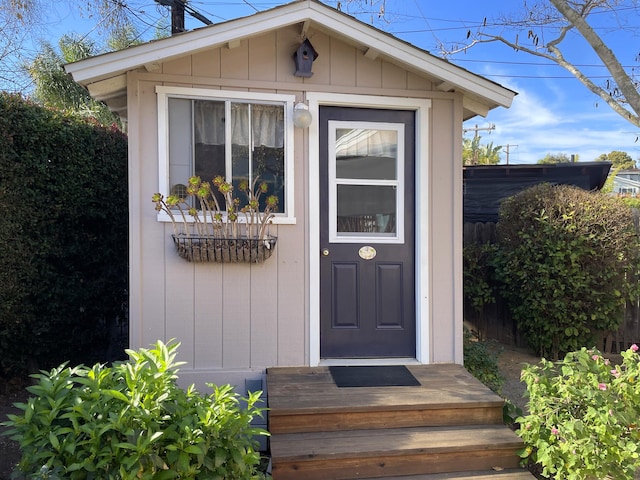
(268, 150)
(366, 209)
(209, 137)
(240, 143)
(180, 147)
(366, 154)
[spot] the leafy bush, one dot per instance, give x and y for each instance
(566, 261)
(131, 421)
(583, 416)
(633, 202)
(63, 265)
(481, 362)
(477, 275)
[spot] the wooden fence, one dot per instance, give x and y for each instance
(495, 321)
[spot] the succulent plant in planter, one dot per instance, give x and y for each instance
(204, 231)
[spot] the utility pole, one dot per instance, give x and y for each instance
(177, 17)
(506, 150)
(477, 129)
(178, 8)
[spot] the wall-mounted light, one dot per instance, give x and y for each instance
(301, 116)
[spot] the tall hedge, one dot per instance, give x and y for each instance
(63, 232)
(567, 261)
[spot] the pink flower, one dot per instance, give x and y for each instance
(555, 431)
(615, 373)
(595, 357)
(606, 361)
(634, 348)
(602, 386)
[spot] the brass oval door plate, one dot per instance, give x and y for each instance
(367, 252)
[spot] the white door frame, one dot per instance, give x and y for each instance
(422, 198)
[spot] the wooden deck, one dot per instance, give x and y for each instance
(449, 425)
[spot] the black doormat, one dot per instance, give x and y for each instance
(374, 376)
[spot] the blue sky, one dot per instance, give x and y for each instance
(553, 113)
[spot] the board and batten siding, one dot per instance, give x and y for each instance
(233, 321)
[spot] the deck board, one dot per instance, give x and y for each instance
(304, 390)
(481, 475)
(374, 443)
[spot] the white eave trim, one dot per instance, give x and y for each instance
(111, 64)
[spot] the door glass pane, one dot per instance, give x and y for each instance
(366, 154)
(366, 209)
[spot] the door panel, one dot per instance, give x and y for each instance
(367, 284)
(345, 295)
(389, 296)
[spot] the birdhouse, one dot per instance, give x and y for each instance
(304, 57)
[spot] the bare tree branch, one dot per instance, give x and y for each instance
(625, 83)
(566, 16)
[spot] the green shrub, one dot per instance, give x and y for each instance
(633, 202)
(132, 421)
(566, 260)
(477, 275)
(63, 228)
(481, 362)
(583, 416)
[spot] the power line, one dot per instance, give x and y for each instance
(538, 64)
(545, 77)
(245, 1)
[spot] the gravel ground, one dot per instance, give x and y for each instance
(511, 360)
(9, 451)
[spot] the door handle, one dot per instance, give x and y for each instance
(325, 252)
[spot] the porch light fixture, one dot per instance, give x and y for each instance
(301, 116)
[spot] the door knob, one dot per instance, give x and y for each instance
(325, 252)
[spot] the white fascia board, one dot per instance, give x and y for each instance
(107, 65)
(407, 54)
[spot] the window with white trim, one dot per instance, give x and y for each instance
(240, 136)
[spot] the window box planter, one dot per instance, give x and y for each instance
(224, 250)
(217, 235)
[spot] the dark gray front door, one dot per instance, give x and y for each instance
(367, 273)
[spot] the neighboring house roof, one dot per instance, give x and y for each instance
(105, 75)
(630, 174)
(626, 182)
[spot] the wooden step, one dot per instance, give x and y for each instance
(324, 420)
(510, 474)
(307, 400)
(359, 454)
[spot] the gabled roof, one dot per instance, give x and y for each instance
(104, 74)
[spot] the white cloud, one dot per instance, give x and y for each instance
(537, 125)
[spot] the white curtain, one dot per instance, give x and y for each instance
(358, 142)
(267, 122)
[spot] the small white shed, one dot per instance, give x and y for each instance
(368, 262)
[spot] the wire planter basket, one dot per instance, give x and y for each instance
(201, 249)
